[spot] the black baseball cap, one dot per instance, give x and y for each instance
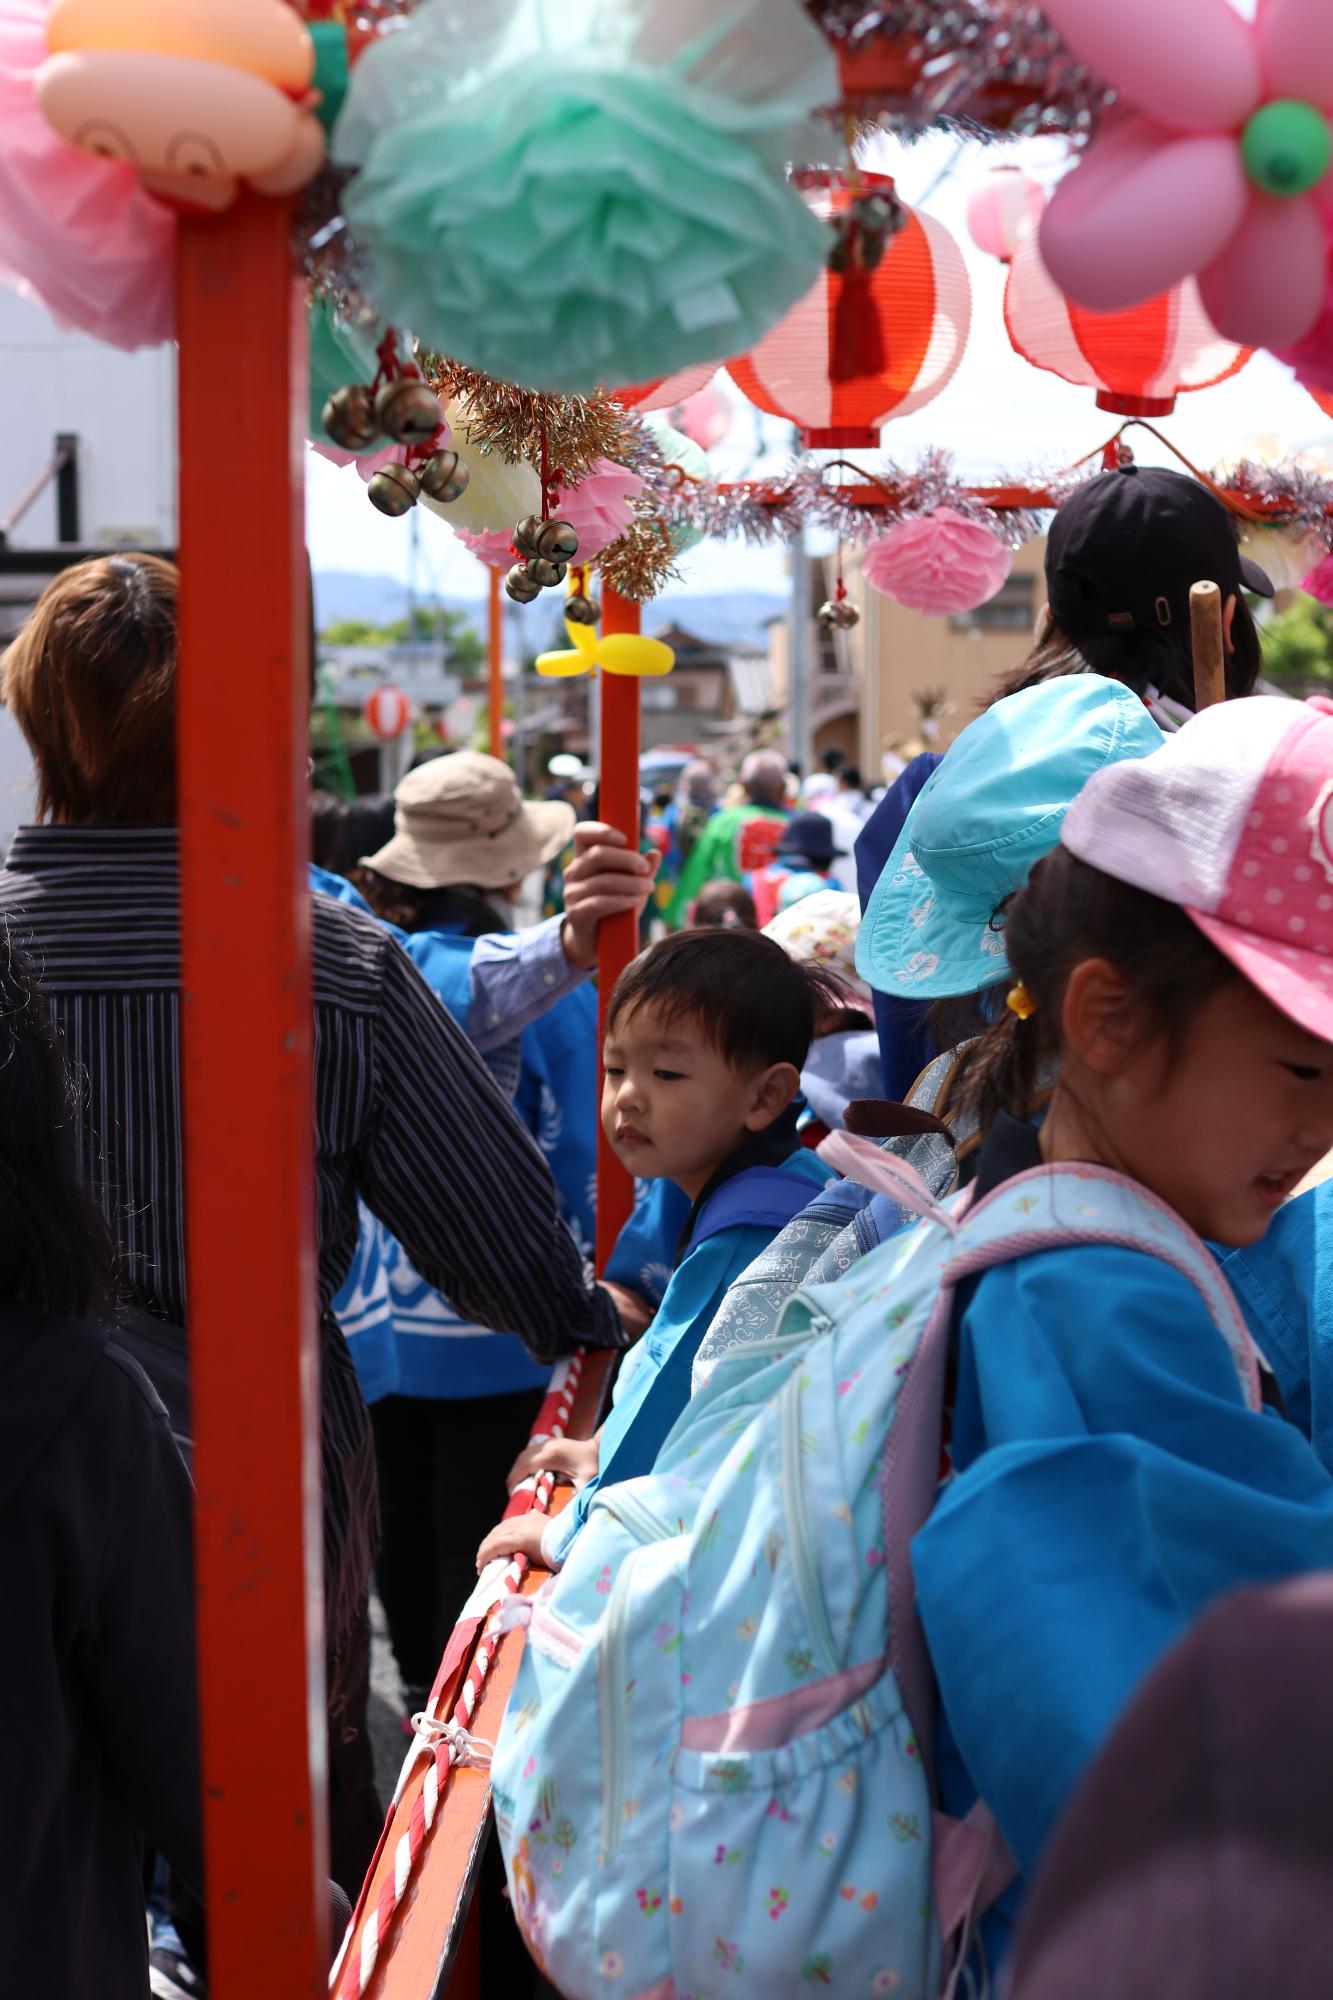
(1125, 549)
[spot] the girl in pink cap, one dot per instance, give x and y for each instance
(1114, 1471)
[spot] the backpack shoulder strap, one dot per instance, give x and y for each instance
(763, 1197)
(1049, 1207)
(1038, 1210)
(882, 1173)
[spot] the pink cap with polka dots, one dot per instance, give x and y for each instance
(1233, 819)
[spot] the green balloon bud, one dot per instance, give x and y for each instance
(331, 70)
(1286, 147)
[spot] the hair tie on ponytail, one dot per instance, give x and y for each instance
(1019, 1001)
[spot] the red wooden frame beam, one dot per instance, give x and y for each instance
(243, 733)
(495, 691)
(618, 937)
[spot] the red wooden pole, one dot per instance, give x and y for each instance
(495, 632)
(243, 731)
(618, 938)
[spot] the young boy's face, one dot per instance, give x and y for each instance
(673, 1108)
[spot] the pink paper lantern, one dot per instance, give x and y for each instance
(388, 711)
(939, 563)
(79, 231)
(999, 210)
(705, 417)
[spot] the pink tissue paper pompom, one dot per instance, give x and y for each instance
(494, 547)
(80, 232)
(939, 563)
(599, 510)
(1319, 583)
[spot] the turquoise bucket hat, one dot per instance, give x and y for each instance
(979, 826)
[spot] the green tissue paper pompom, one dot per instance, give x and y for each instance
(338, 355)
(588, 192)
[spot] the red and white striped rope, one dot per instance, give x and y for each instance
(450, 1743)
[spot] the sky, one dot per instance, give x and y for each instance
(998, 415)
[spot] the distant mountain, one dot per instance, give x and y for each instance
(738, 619)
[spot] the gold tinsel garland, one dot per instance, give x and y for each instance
(511, 421)
(642, 562)
(574, 432)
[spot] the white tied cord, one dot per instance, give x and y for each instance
(469, 1752)
(515, 1612)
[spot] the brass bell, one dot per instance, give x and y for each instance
(557, 541)
(443, 476)
(581, 610)
(520, 586)
(408, 411)
(543, 573)
(349, 417)
(838, 614)
(394, 488)
(526, 533)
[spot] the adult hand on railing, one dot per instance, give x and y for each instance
(574, 1460)
(606, 878)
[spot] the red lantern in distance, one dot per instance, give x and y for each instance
(1138, 361)
(388, 711)
(921, 303)
(667, 390)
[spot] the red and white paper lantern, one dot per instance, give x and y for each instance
(1138, 360)
(388, 711)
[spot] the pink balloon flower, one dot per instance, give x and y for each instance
(80, 232)
(1213, 167)
(939, 563)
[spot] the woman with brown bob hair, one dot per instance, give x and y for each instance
(93, 890)
(91, 682)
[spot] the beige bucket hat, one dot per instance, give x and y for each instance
(462, 818)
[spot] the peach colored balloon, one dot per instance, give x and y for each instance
(265, 37)
(191, 128)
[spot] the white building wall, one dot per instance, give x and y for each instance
(122, 407)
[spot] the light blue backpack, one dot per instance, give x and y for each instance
(714, 1775)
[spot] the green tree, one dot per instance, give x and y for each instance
(1298, 648)
(464, 653)
(352, 632)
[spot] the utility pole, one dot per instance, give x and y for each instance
(798, 657)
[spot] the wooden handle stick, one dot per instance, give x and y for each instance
(1210, 680)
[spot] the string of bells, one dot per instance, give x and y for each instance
(406, 411)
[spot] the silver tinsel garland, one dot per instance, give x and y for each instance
(972, 52)
(809, 493)
(1299, 495)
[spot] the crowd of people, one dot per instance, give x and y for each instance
(974, 1313)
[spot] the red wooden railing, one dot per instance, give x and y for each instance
(243, 731)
